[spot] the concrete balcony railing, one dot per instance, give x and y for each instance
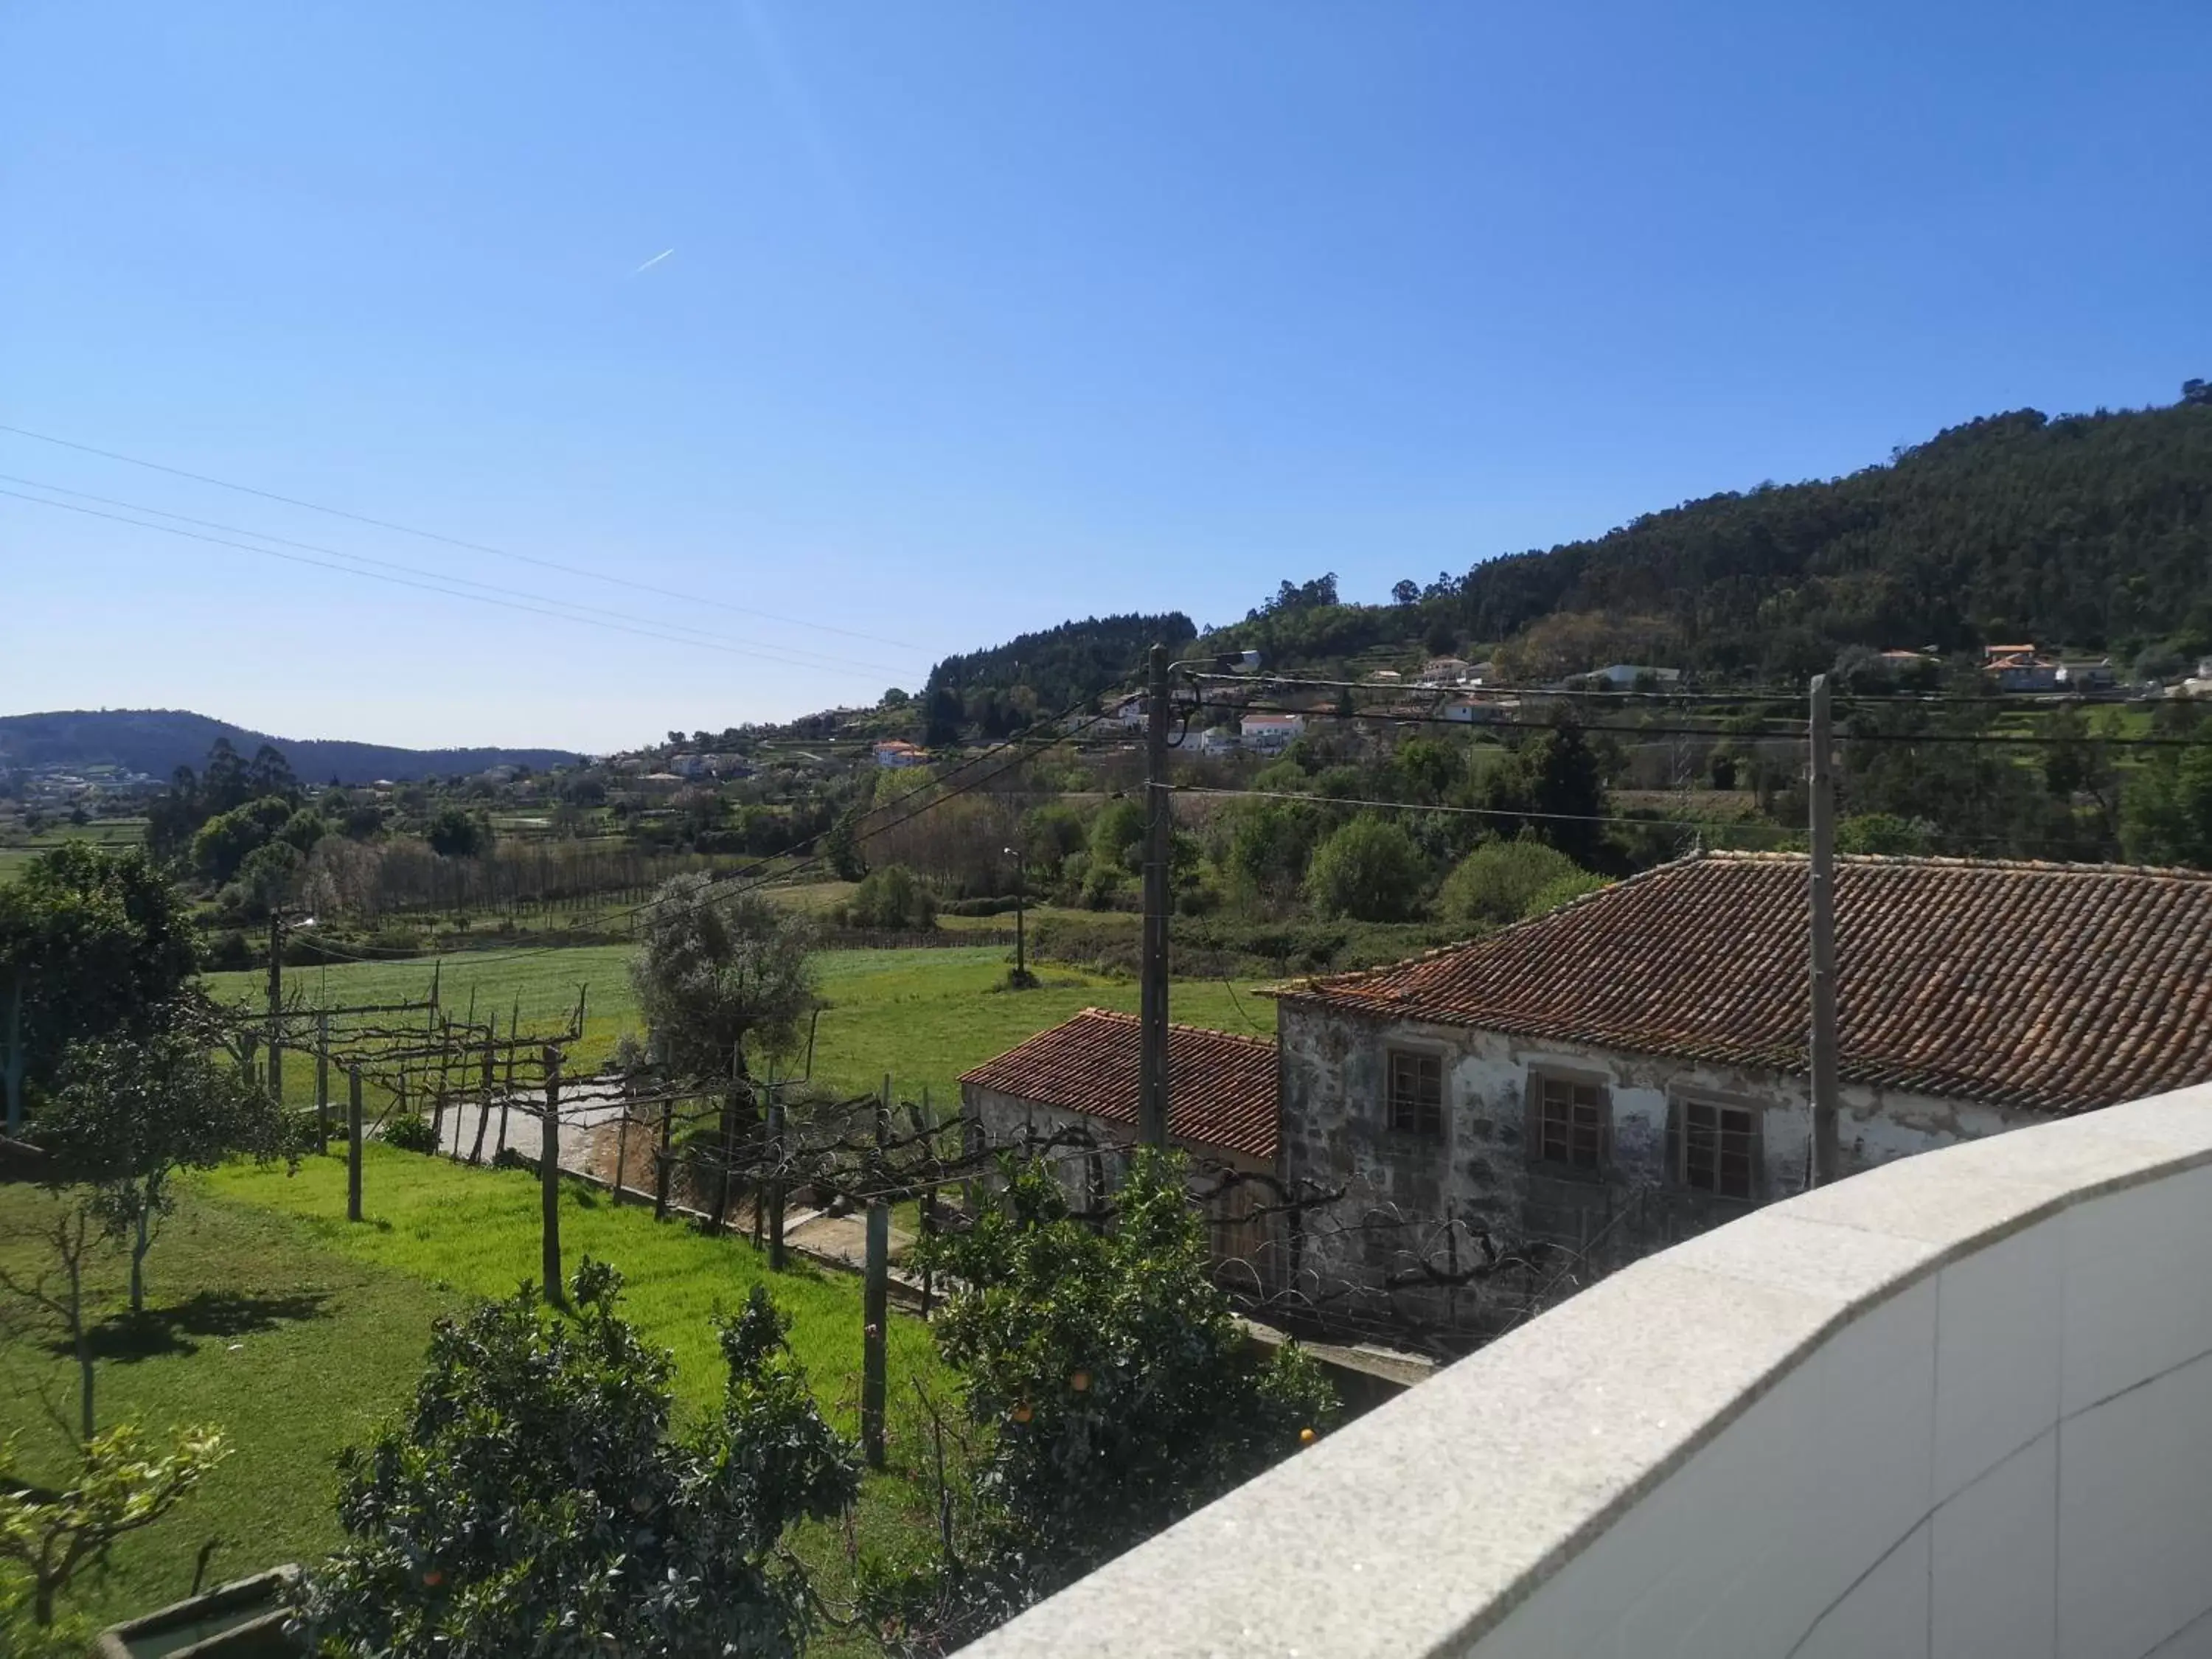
(1959, 1405)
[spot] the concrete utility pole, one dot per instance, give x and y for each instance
(1826, 1153)
(322, 1082)
(549, 1178)
(1021, 919)
(1152, 1076)
(875, 1295)
(353, 1143)
(277, 1004)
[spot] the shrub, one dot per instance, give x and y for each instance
(1563, 890)
(410, 1132)
(542, 1499)
(1005, 905)
(1498, 883)
(891, 899)
(1370, 870)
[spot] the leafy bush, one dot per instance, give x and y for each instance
(1119, 1393)
(1370, 870)
(537, 1502)
(893, 899)
(1498, 883)
(1005, 905)
(1567, 888)
(228, 951)
(410, 1132)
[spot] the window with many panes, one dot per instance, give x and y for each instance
(1720, 1148)
(1417, 1093)
(1571, 1122)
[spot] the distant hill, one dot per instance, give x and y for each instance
(2089, 532)
(157, 741)
(1037, 675)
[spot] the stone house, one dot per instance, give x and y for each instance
(1632, 1067)
(1079, 1080)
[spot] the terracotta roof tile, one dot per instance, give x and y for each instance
(2056, 987)
(1221, 1088)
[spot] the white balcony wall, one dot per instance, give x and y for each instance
(1960, 1405)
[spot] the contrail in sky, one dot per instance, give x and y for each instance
(655, 260)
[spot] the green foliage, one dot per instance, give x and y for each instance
(226, 840)
(891, 899)
(1566, 889)
(2166, 814)
(456, 833)
(410, 1132)
(1001, 690)
(131, 1115)
(1557, 781)
(1119, 1393)
(96, 944)
(536, 1501)
(1370, 871)
(1270, 845)
(1117, 837)
(1501, 881)
(713, 970)
(1884, 833)
(122, 1485)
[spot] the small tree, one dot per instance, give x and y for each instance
(1498, 883)
(1118, 1390)
(892, 898)
(122, 1487)
(130, 1115)
(536, 1502)
(92, 944)
(1370, 870)
(714, 972)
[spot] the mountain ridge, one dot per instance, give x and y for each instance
(156, 741)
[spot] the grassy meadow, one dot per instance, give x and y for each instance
(920, 1015)
(270, 1315)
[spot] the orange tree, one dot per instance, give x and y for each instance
(1114, 1390)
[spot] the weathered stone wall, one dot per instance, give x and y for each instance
(1417, 1207)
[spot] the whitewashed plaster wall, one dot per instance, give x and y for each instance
(1959, 1405)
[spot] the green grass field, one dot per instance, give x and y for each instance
(271, 1316)
(19, 850)
(921, 1016)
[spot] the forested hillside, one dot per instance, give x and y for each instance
(2089, 533)
(1003, 688)
(156, 741)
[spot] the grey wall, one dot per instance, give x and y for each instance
(1417, 1199)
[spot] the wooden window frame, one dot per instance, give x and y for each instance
(1423, 1125)
(1542, 1080)
(1682, 1133)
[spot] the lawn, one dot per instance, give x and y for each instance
(296, 1331)
(922, 1015)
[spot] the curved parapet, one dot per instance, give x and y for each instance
(1959, 1405)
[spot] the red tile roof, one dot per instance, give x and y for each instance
(1221, 1089)
(2056, 988)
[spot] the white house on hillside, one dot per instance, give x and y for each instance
(1269, 732)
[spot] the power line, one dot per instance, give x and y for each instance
(1710, 825)
(425, 587)
(449, 541)
(589, 611)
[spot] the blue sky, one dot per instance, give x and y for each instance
(979, 316)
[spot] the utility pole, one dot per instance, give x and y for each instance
(11, 1073)
(774, 1193)
(1021, 909)
(875, 1294)
(549, 1178)
(1826, 1153)
(323, 1081)
(1152, 1076)
(353, 1143)
(277, 1004)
